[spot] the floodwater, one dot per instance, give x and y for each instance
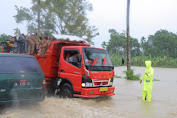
(125, 104)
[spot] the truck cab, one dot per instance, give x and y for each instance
(75, 69)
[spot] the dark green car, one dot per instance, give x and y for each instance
(21, 79)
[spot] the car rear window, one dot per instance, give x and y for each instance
(19, 65)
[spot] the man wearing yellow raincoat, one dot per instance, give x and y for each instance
(147, 82)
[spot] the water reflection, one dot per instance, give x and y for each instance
(147, 107)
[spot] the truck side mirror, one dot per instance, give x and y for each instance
(79, 57)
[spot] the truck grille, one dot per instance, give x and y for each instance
(101, 83)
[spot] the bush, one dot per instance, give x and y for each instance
(116, 61)
(156, 61)
(116, 76)
(165, 61)
(131, 76)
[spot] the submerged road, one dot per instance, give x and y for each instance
(125, 104)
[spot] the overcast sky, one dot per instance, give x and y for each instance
(146, 17)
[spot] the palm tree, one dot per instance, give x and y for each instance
(39, 7)
(128, 36)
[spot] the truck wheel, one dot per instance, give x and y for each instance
(66, 91)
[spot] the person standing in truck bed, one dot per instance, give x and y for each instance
(31, 43)
(45, 44)
(42, 50)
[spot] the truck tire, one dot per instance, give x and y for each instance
(66, 91)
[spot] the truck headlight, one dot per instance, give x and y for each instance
(83, 84)
(86, 82)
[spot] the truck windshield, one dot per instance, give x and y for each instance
(96, 57)
(19, 65)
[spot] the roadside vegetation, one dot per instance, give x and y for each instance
(156, 80)
(116, 76)
(129, 75)
(165, 61)
(160, 48)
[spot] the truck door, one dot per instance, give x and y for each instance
(70, 68)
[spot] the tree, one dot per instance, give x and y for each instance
(128, 36)
(60, 16)
(44, 22)
(39, 8)
(104, 44)
(4, 37)
(135, 47)
(162, 43)
(117, 44)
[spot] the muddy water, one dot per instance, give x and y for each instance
(125, 104)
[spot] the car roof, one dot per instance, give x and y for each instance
(14, 55)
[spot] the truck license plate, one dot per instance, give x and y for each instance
(103, 89)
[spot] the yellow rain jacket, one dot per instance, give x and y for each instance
(147, 82)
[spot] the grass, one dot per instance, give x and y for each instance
(131, 76)
(156, 80)
(116, 76)
(164, 62)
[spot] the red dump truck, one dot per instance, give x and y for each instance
(75, 69)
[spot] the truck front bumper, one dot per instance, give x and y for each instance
(94, 92)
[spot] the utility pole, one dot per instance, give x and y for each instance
(39, 8)
(128, 36)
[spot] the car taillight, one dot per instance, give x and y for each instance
(22, 80)
(44, 84)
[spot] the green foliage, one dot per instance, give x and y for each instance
(115, 60)
(116, 76)
(156, 61)
(156, 80)
(140, 61)
(3, 37)
(30, 16)
(59, 16)
(160, 48)
(104, 44)
(162, 43)
(117, 44)
(131, 76)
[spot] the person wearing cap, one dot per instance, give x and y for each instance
(31, 43)
(147, 82)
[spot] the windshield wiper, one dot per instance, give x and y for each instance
(94, 61)
(104, 61)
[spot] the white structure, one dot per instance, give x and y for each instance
(71, 38)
